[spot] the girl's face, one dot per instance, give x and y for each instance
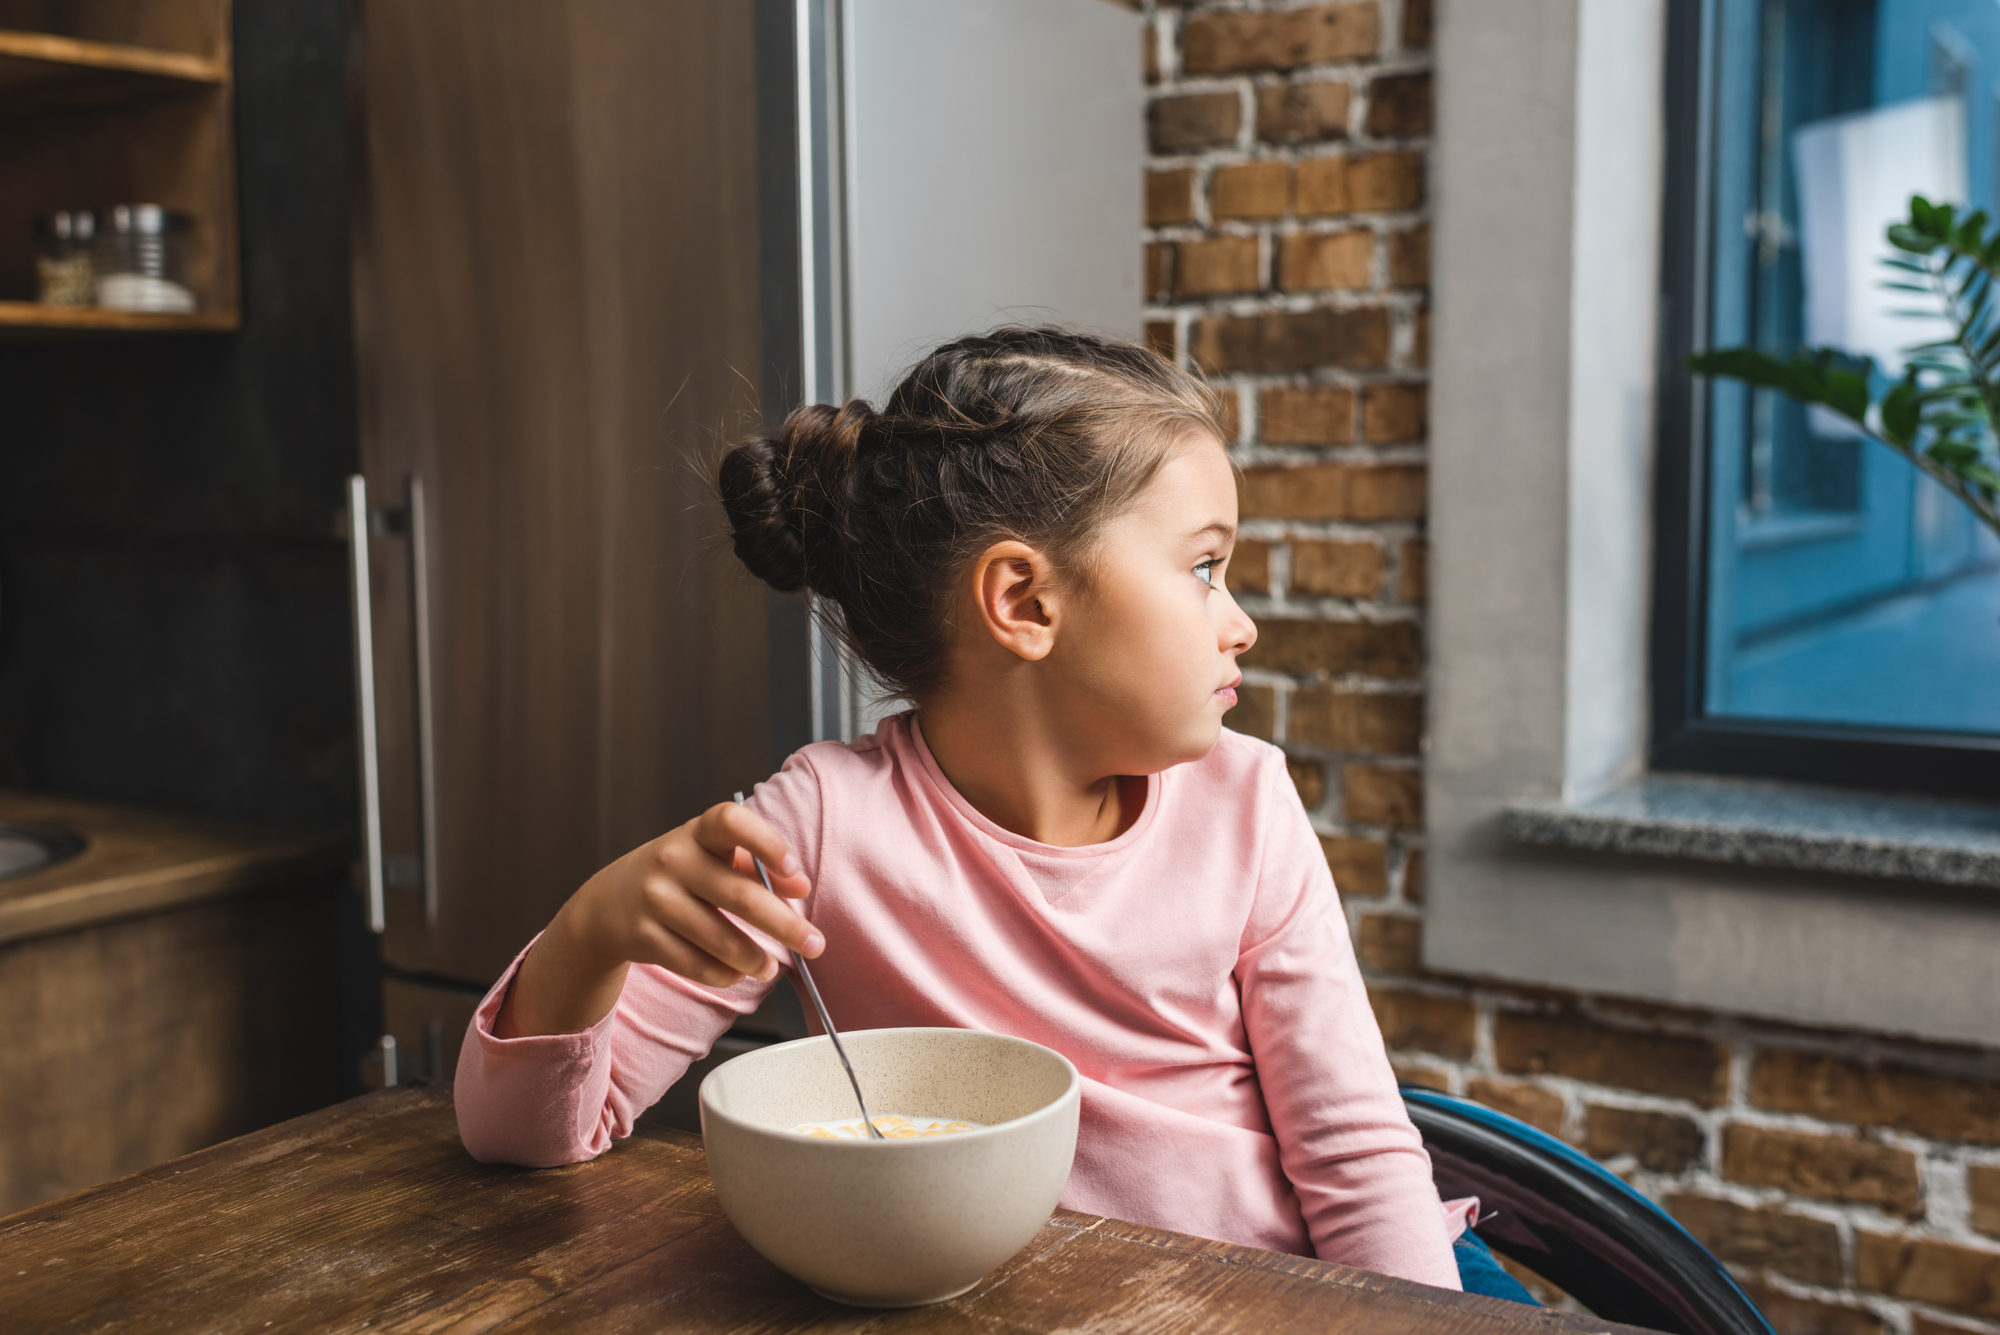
(1151, 639)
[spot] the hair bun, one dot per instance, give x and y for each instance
(784, 493)
(760, 510)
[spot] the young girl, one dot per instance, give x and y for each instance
(1060, 841)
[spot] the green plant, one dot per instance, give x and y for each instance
(1940, 415)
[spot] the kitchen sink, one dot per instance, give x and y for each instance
(25, 849)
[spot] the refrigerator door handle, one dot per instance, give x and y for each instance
(364, 692)
(420, 586)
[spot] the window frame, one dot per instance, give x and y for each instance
(1681, 737)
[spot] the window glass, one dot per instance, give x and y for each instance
(1843, 587)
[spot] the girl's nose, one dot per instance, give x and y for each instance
(1239, 632)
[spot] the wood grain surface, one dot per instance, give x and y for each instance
(371, 1214)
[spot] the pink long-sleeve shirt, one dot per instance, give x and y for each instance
(1196, 969)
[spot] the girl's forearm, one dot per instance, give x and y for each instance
(562, 988)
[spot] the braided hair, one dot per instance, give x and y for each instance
(1034, 434)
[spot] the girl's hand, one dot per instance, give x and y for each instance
(661, 904)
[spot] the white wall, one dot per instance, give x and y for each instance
(994, 172)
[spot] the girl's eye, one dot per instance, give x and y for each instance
(1205, 571)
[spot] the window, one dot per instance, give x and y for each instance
(1824, 612)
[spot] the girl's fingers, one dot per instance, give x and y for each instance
(662, 947)
(706, 932)
(728, 826)
(738, 890)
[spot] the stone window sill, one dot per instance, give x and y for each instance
(1763, 824)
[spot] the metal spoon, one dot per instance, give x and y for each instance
(826, 1021)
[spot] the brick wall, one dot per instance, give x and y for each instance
(1854, 1181)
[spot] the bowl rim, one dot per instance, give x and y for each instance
(1052, 1109)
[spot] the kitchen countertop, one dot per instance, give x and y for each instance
(139, 861)
(370, 1213)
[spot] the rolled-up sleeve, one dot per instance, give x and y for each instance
(562, 1098)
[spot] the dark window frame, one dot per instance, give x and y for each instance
(1682, 738)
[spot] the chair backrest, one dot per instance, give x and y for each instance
(1576, 1224)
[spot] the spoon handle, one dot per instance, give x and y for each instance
(826, 1021)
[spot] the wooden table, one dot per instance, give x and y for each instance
(369, 1213)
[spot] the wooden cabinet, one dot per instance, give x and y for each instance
(117, 102)
(168, 988)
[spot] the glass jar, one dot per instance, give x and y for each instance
(140, 259)
(62, 257)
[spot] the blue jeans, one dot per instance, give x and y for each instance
(1478, 1272)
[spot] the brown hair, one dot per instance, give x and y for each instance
(1040, 435)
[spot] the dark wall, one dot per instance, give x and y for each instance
(173, 606)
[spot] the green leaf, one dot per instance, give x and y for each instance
(1846, 393)
(1759, 368)
(1923, 217)
(1953, 454)
(1900, 412)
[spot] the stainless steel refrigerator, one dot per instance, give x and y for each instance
(594, 241)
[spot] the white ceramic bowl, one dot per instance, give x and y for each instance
(903, 1222)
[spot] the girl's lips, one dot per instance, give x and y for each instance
(1228, 696)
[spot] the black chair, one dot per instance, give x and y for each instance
(1576, 1224)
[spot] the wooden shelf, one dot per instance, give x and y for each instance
(24, 315)
(41, 72)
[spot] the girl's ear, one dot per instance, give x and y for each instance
(1014, 587)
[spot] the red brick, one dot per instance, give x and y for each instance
(1360, 183)
(1377, 796)
(1194, 120)
(1368, 722)
(1413, 876)
(1539, 1108)
(1390, 943)
(1229, 409)
(1312, 261)
(1309, 779)
(1922, 1323)
(1373, 648)
(1410, 257)
(1170, 197)
(1293, 341)
(1762, 1239)
(1249, 568)
(1847, 1169)
(1256, 711)
(1334, 491)
(1982, 1182)
(1417, 1021)
(1394, 414)
(1360, 866)
(1413, 579)
(1251, 190)
(1302, 113)
(1160, 338)
(1149, 53)
(1417, 24)
(1944, 1274)
(1661, 1142)
(1429, 1077)
(1217, 266)
(1665, 1064)
(1809, 1316)
(1337, 569)
(1159, 272)
(1943, 1107)
(1219, 43)
(1399, 106)
(1420, 339)
(1306, 415)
